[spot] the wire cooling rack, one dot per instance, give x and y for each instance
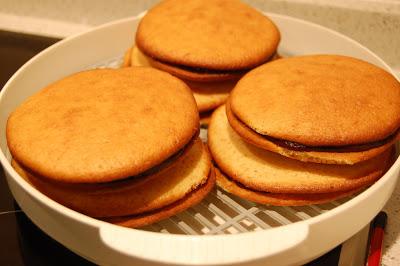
(223, 213)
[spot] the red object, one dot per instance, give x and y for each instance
(376, 239)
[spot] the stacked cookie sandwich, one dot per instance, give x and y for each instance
(120, 145)
(207, 44)
(306, 130)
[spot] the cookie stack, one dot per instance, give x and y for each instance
(306, 130)
(121, 145)
(209, 45)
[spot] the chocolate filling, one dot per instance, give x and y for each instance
(190, 199)
(122, 182)
(295, 196)
(201, 70)
(166, 163)
(295, 146)
(345, 148)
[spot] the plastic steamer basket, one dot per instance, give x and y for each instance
(223, 229)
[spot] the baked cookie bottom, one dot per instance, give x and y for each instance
(191, 199)
(263, 170)
(278, 199)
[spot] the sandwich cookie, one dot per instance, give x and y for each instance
(103, 125)
(277, 199)
(208, 95)
(191, 175)
(208, 45)
(248, 170)
(327, 109)
(191, 199)
(217, 37)
(111, 142)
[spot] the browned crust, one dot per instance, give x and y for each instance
(135, 198)
(212, 87)
(189, 75)
(306, 156)
(88, 136)
(209, 99)
(195, 76)
(319, 101)
(222, 34)
(273, 168)
(118, 185)
(191, 199)
(180, 72)
(208, 95)
(210, 103)
(279, 199)
(206, 75)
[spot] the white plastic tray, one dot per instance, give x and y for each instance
(223, 229)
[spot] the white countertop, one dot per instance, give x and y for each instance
(374, 23)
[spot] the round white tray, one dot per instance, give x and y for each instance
(223, 229)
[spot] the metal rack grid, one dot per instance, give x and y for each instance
(223, 213)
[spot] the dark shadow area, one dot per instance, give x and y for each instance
(38, 249)
(16, 49)
(329, 259)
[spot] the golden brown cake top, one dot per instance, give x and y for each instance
(213, 34)
(319, 100)
(103, 125)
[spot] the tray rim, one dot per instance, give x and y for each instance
(389, 175)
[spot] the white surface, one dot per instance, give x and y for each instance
(108, 244)
(364, 5)
(40, 26)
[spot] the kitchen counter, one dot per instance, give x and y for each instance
(375, 24)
